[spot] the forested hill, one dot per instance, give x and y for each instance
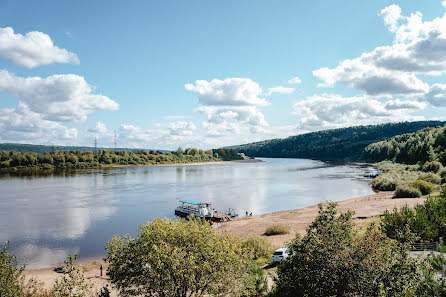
(423, 146)
(335, 144)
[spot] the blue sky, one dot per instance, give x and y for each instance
(204, 73)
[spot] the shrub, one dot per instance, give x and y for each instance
(430, 177)
(425, 187)
(259, 246)
(406, 191)
(383, 183)
(433, 166)
(277, 229)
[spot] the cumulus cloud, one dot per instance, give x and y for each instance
(436, 95)
(22, 124)
(248, 115)
(294, 81)
(330, 110)
(99, 128)
(64, 97)
(182, 128)
(33, 49)
(230, 91)
(230, 104)
(134, 136)
(419, 48)
(280, 90)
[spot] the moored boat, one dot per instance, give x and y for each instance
(199, 209)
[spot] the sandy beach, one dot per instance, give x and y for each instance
(366, 209)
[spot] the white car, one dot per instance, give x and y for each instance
(280, 254)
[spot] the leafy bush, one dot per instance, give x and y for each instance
(383, 183)
(435, 274)
(433, 166)
(406, 191)
(259, 246)
(333, 260)
(430, 177)
(277, 229)
(426, 221)
(177, 257)
(425, 187)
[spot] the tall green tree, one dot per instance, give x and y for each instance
(333, 260)
(179, 258)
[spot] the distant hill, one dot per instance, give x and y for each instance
(40, 149)
(336, 144)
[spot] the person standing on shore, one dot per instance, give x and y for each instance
(101, 269)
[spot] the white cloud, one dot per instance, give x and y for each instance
(134, 136)
(230, 91)
(231, 104)
(99, 128)
(391, 16)
(64, 97)
(23, 125)
(295, 81)
(419, 48)
(231, 119)
(33, 49)
(182, 128)
(436, 95)
(280, 90)
(330, 110)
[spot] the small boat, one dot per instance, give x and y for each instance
(231, 212)
(201, 210)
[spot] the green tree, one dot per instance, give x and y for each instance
(11, 278)
(71, 284)
(434, 283)
(333, 260)
(178, 258)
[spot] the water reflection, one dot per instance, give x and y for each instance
(78, 211)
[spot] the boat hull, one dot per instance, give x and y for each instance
(185, 214)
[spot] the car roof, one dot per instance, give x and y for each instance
(282, 249)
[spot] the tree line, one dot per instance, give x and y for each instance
(103, 158)
(426, 145)
(335, 144)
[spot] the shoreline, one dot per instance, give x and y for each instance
(29, 170)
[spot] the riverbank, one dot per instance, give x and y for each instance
(36, 171)
(367, 209)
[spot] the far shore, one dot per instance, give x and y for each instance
(59, 169)
(367, 209)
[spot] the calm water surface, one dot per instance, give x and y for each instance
(45, 218)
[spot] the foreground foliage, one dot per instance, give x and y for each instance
(13, 283)
(104, 158)
(333, 260)
(179, 258)
(426, 221)
(435, 274)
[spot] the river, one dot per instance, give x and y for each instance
(46, 217)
